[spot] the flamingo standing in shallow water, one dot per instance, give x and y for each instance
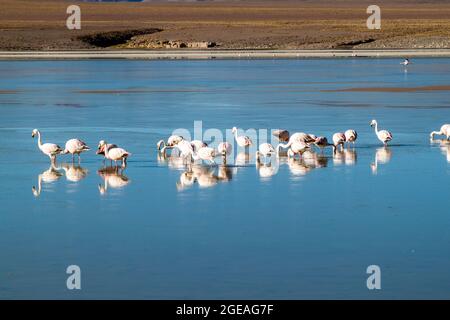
(49, 149)
(339, 139)
(206, 154)
(297, 148)
(265, 150)
(445, 131)
(115, 154)
(383, 135)
(242, 141)
(198, 144)
(75, 146)
(351, 136)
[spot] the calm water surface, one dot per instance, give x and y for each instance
(294, 230)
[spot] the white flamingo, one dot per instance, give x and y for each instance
(75, 147)
(297, 148)
(198, 144)
(242, 141)
(101, 150)
(185, 148)
(383, 135)
(171, 142)
(265, 150)
(339, 139)
(206, 154)
(445, 131)
(224, 148)
(115, 154)
(49, 149)
(351, 136)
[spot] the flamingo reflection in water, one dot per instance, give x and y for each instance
(48, 176)
(205, 176)
(113, 177)
(74, 173)
(444, 145)
(382, 156)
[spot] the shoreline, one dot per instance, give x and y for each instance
(219, 54)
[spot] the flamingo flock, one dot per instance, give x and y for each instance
(296, 144)
(298, 149)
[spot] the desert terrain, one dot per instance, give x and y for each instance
(41, 25)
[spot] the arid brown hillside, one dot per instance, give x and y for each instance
(37, 25)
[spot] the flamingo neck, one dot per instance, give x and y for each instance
(235, 135)
(376, 127)
(284, 146)
(39, 138)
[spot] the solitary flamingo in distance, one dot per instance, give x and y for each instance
(445, 131)
(339, 139)
(351, 136)
(383, 135)
(49, 149)
(242, 141)
(75, 146)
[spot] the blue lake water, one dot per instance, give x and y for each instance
(299, 229)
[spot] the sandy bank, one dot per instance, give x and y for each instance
(218, 54)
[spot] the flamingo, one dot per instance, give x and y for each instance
(351, 136)
(339, 139)
(282, 135)
(206, 154)
(242, 141)
(101, 149)
(322, 142)
(298, 137)
(171, 142)
(445, 131)
(49, 149)
(383, 135)
(115, 154)
(75, 146)
(185, 148)
(265, 150)
(198, 144)
(297, 148)
(224, 148)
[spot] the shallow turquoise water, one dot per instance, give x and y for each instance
(305, 232)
